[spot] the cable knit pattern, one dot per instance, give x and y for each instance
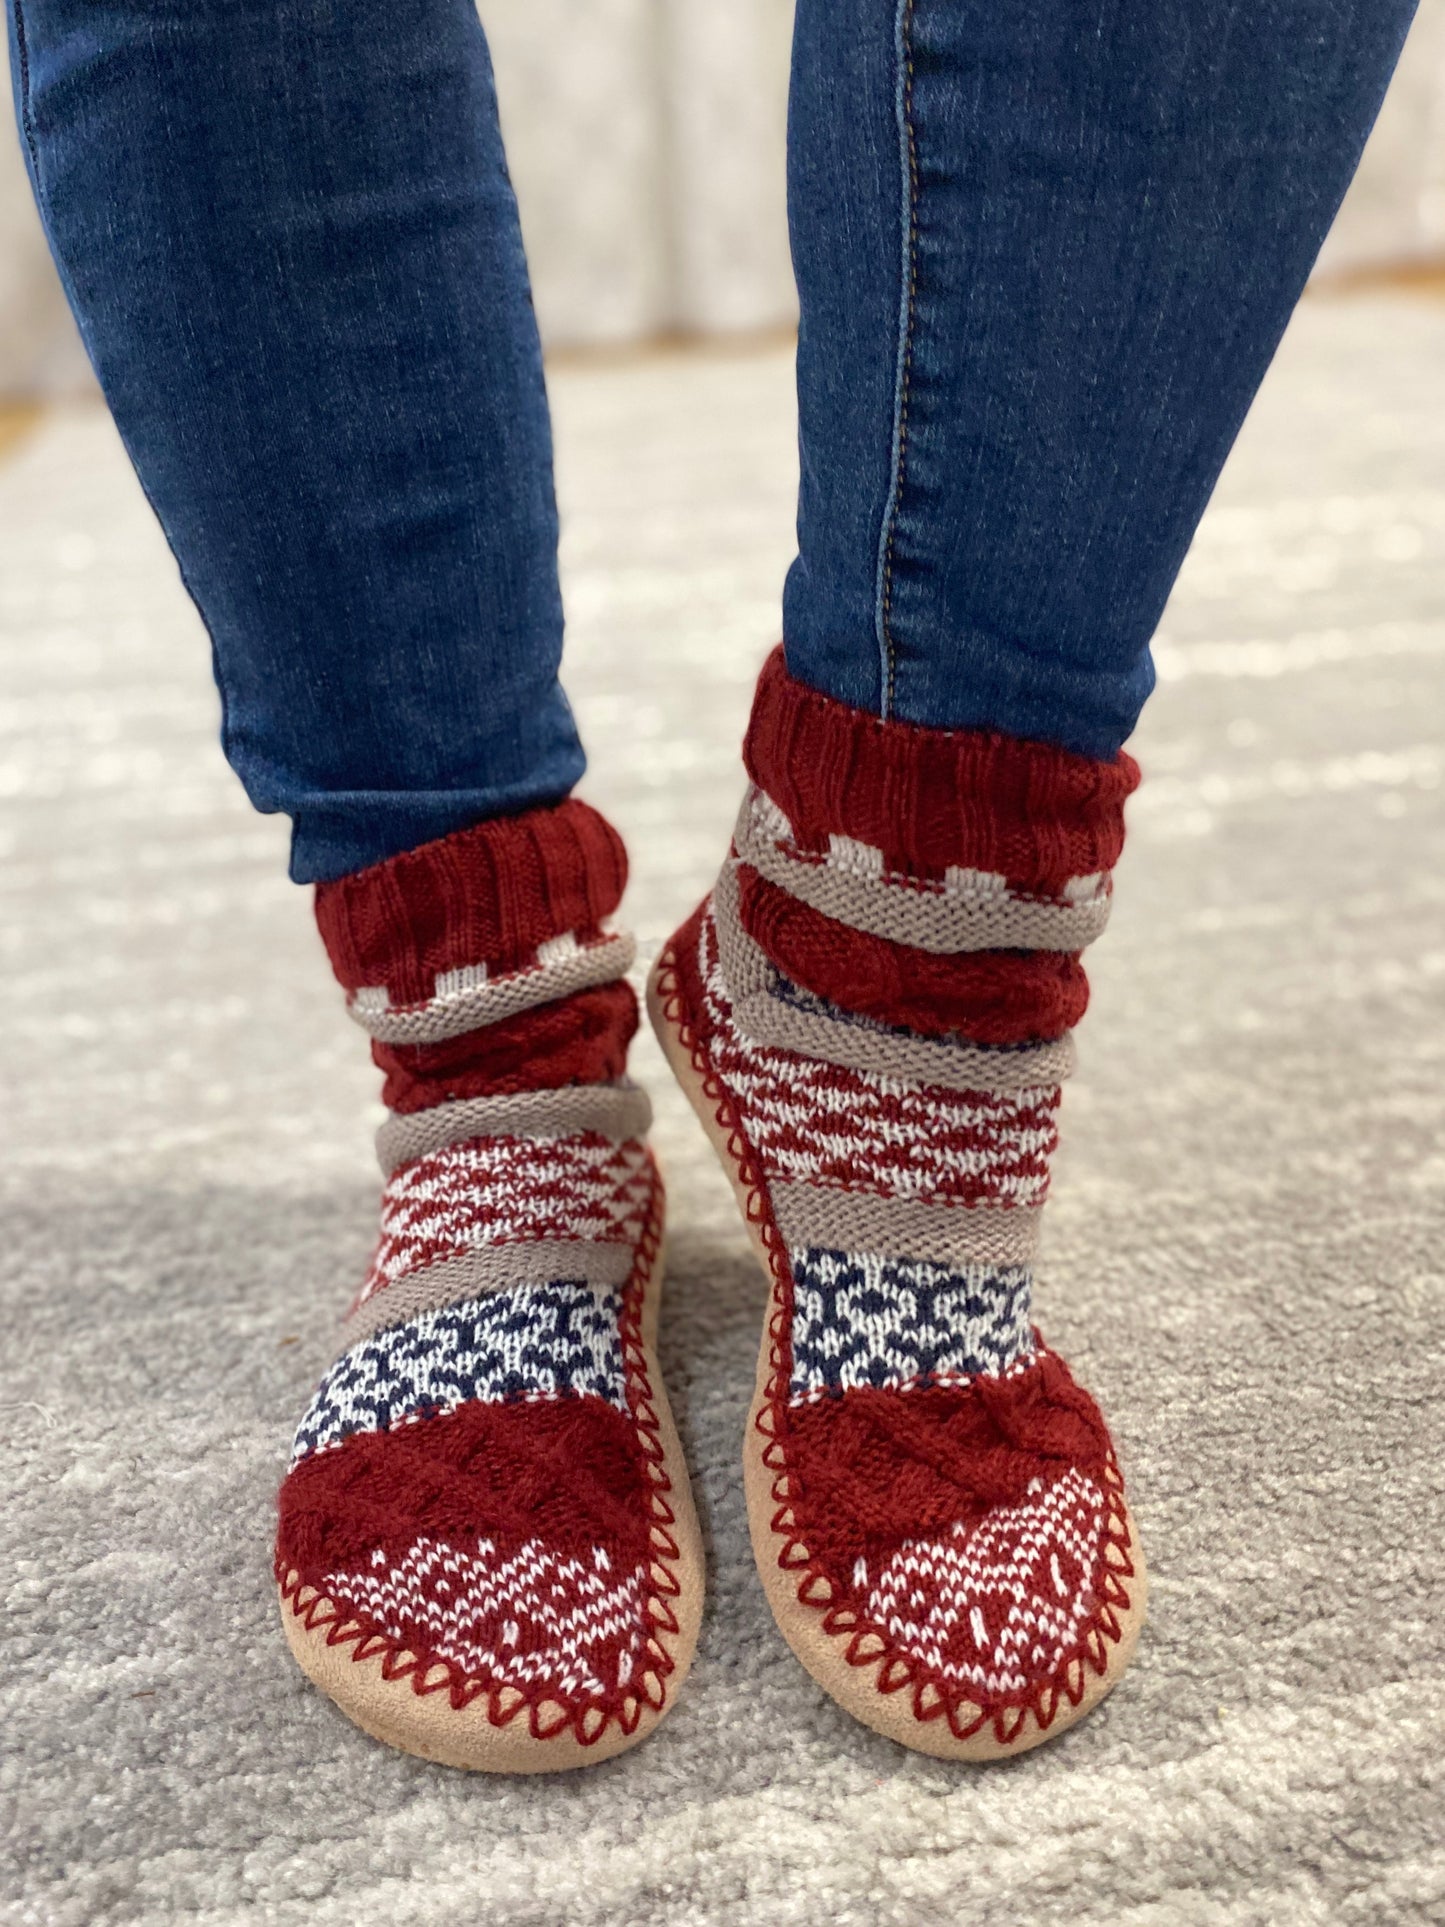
(477, 1489)
(581, 1039)
(988, 996)
(945, 1494)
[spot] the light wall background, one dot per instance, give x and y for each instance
(646, 142)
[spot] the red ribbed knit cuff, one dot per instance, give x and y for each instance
(934, 798)
(488, 895)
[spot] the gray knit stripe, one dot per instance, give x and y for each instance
(945, 921)
(471, 1005)
(905, 1228)
(495, 1267)
(616, 1111)
(908, 1060)
(747, 970)
(856, 1044)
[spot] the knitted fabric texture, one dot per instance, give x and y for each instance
(478, 963)
(877, 995)
(476, 1491)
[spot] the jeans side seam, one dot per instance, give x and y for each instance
(27, 115)
(907, 308)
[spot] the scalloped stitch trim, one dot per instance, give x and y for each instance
(868, 1643)
(547, 1718)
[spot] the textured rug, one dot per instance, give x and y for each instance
(1244, 1259)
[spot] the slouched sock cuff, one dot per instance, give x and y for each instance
(479, 963)
(932, 800)
(483, 899)
(939, 882)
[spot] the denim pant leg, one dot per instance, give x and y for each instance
(1044, 256)
(288, 235)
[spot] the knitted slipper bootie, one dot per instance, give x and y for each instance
(487, 1552)
(871, 1015)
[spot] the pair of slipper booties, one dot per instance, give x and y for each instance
(487, 1550)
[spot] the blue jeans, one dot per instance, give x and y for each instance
(1043, 254)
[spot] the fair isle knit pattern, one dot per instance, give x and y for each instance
(870, 1131)
(959, 1155)
(862, 1319)
(1037, 1557)
(508, 1190)
(877, 997)
(556, 1340)
(476, 1490)
(562, 1624)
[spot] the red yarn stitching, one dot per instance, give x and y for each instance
(989, 996)
(869, 1643)
(588, 1719)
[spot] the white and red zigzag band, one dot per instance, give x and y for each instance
(555, 1612)
(614, 1111)
(503, 1190)
(850, 1135)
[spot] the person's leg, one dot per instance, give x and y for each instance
(290, 242)
(1043, 257)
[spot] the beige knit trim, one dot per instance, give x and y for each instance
(495, 1267)
(468, 999)
(970, 910)
(765, 1018)
(616, 1111)
(826, 1218)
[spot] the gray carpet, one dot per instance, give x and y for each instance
(1244, 1259)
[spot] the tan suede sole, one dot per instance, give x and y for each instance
(854, 1685)
(387, 1706)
